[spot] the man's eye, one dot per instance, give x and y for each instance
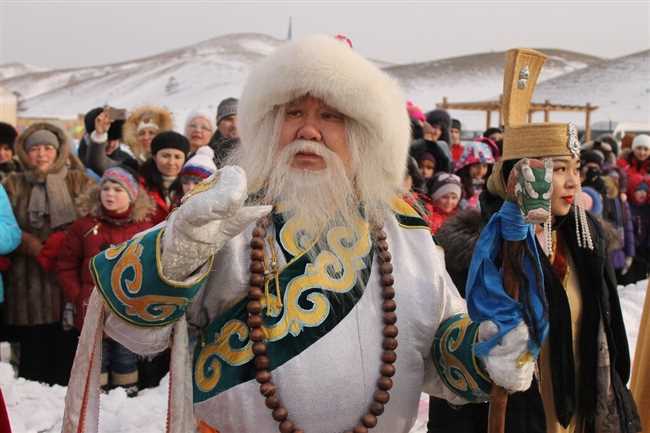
(331, 115)
(294, 113)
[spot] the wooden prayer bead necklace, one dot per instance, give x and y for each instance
(262, 362)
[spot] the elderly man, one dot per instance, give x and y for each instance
(299, 270)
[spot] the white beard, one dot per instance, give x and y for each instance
(320, 199)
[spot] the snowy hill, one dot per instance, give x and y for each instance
(8, 70)
(200, 75)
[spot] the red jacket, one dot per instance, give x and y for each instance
(162, 208)
(85, 238)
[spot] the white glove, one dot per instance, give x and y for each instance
(206, 221)
(509, 363)
(67, 320)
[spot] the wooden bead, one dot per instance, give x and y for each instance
(381, 396)
(263, 376)
(387, 370)
(256, 280)
(376, 408)
(257, 243)
(390, 331)
(380, 235)
(254, 307)
(389, 344)
(388, 292)
(257, 335)
(386, 268)
(382, 245)
(360, 429)
(369, 420)
(259, 232)
(286, 426)
(389, 305)
(259, 348)
(255, 293)
(389, 356)
(390, 318)
(262, 362)
(257, 255)
(254, 321)
(385, 256)
(257, 267)
(268, 390)
(280, 414)
(385, 383)
(387, 280)
(272, 401)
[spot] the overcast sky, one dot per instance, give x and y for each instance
(68, 34)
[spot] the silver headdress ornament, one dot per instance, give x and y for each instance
(524, 74)
(573, 143)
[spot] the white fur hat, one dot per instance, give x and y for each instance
(641, 140)
(329, 69)
(204, 114)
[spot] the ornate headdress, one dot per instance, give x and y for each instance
(533, 140)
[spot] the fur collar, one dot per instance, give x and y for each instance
(90, 205)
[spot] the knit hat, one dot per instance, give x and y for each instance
(455, 124)
(641, 140)
(441, 118)
(444, 183)
(492, 130)
(115, 130)
(41, 136)
(202, 113)
(201, 165)
(426, 156)
(475, 152)
(415, 112)
(227, 107)
(124, 178)
(592, 156)
(89, 119)
(8, 135)
(170, 140)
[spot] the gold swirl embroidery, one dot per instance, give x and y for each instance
(455, 371)
(149, 307)
(113, 252)
(220, 349)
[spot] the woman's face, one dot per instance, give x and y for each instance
(42, 156)
(566, 178)
(448, 202)
(198, 131)
(478, 171)
(145, 137)
(427, 168)
(114, 197)
(5, 153)
(641, 153)
(169, 161)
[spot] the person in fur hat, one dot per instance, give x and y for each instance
(9, 162)
(142, 126)
(199, 127)
(113, 212)
(298, 249)
(43, 199)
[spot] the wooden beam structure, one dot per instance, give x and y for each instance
(546, 107)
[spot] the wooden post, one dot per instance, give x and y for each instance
(444, 102)
(530, 116)
(588, 122)
(488, 118)
(500, 111)
(546, 112)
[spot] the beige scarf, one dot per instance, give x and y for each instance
(50, 196)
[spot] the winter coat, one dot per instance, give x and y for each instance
(439, 151)
(33, 296)
(9, 231)
(641, 221)
(88, 236)
(8, 167)
(151, 181)
(525, 412)
(98, 161)
(635, 170)
(618, 213)
(437, 218)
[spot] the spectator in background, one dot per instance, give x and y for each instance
(112, 213)
(104, 149)
(474, 167)
(159, 175)
(227, 136)
(142, 126)
(199, 128)
(43, 199)
(440, 121)
(445, 191)
(456, 147)
(640, 209)
(198, 168)
(9, 163)
(496, 135)
(636, 163)
(10, 235)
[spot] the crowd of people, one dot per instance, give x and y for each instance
(62, 204)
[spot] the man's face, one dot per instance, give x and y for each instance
(309, 118)
(228, 127)
(455, 135)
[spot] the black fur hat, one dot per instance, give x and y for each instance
(8, 135)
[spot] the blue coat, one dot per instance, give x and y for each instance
(10, 233)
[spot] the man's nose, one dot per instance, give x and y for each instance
(309, 130)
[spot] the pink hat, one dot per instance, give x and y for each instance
(415, 112)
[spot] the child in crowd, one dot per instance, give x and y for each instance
(198, 168)
(640, 210)
(445, 190)
(114, 212)
(473, 169)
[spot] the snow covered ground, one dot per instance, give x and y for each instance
(37, 408)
